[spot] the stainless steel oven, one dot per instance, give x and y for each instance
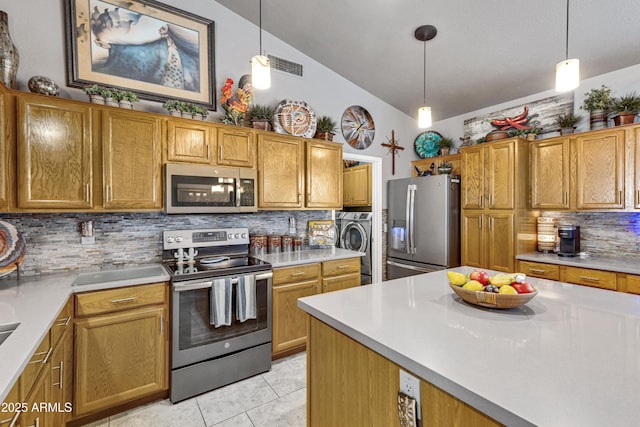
(206, 355)
(209, 189)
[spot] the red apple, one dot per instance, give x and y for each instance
(522, 287)
(480, 276)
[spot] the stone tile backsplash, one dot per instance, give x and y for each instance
(127, 239)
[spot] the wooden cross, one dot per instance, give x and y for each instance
(393, 146)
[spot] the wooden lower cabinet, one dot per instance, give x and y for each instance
(122, 352)
(582, 276)
(542, 271)
(488, 240)
(289, 326)
(351, 385)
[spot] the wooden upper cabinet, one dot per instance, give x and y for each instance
(500, 184)
(4, 155)
(356, 185)
(236, 147)
(550, 174)
(636, 168)
(190, 142)
(473, 182)
(599, 173)
(54, 153)
(324, 175)
(131, 148)
(280, 171)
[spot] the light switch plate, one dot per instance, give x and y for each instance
(91, 240)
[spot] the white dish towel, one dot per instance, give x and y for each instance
(246, 298)
(220, 312)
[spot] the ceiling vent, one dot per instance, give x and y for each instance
(285, 66)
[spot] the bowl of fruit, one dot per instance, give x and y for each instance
(499, 291)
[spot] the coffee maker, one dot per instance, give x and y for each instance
(569, 236)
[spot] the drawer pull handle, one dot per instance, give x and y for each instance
(11, 420)
(595, 279)
(46, 357)
(59, 383)
(116, 301)
(343, 266)
(300, 273)
(36, 424)
(537, 270)
(64, 321)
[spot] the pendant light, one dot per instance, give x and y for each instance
(425, 33)
(567, 71)
(260, 66)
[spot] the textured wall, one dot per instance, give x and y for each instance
(53, 240)
(605, 234)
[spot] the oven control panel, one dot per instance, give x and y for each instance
(176, 239)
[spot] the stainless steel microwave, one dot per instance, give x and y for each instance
(209, 189)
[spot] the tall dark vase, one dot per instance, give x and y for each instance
(598, 119)
(9, 57)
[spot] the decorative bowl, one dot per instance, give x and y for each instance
(43, 85)
(492, 300)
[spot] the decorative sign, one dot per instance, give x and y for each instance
(539, 114)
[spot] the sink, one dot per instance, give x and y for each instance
(6, 330)
(119, 275)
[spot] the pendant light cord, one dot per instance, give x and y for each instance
(424, 75)
(260, 20)
(566, 52)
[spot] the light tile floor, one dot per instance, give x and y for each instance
(273, 399)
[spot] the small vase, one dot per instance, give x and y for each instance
(444, 151)
(566, 131)
(598, 119)
(96, 99)
(187, 115)
(198, 116)
(624, 119)
(9, 57)
(110, 102)
(175, 113)
(261, 124)
(124, 103)
(531, 136)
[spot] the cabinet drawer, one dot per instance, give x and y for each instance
(537, 269)
(341, 282)
(595, 278)
(633, 284)
(298, 273)
(35, 365)
(63, 323)
(340, 266)
(119, 299)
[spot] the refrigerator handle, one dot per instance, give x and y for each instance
(407, 219)
(412, 218)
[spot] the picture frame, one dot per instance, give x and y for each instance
(143, 46)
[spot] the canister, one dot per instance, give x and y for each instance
(258, 244)
(275, 244)
(287, 243)
(546, 234)
(297, 243)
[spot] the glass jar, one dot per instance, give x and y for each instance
(275, 244)
(297, 243)
(287, 243)
(258, 244)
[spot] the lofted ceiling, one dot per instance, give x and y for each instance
(485, 53)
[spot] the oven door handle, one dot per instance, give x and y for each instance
(265, 275)
(192, 286)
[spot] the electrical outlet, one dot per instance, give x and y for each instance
(410, 386)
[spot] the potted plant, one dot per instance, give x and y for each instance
(567, 122)
(126, 99)
(186, 109)
(445, 145)
(325, 128)
(95, 94)
(626, 108)
(597, 102)
(530, 133)
(108, 93)
(199, 112)
(172, 106)
(261, 116)
(445, 168)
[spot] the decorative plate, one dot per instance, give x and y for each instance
(358, 128)
(12, 248)
(295, 118)
(427, 144)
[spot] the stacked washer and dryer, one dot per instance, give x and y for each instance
(354, 229)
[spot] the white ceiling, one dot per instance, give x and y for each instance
(486, 51)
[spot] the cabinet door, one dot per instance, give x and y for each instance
(119, 357)
(61, 372)
(40, 395)
(500, 232)
(54, 154)
(550, 174)
(190, 142)
(360, 186)
(236, 147)
(347, 184)
(636, 178)
(324, 175)
(340, 282)
(131, 146)
(501, 175)
(473, 182)
(4, 156)
(473, 239)
(280, 172)
(600, 170)
(289, 321)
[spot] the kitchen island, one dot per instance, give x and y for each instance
(569, 357)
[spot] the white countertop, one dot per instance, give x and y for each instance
(569, 357)
(35, 302)
(308, 256)
(619, 265)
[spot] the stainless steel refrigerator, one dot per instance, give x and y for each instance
(423, 225)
